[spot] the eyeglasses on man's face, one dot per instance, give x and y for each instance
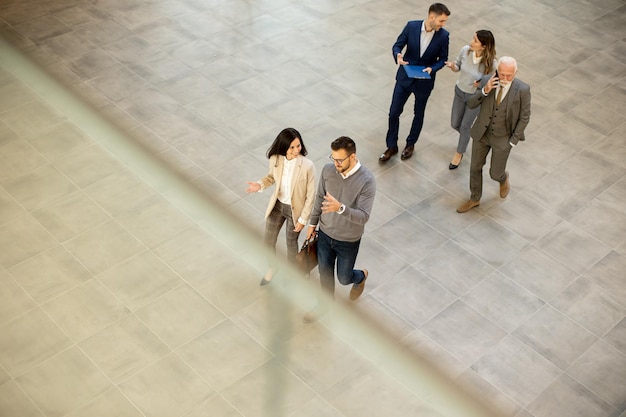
(338, 161)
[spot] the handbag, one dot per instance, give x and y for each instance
(306, 259)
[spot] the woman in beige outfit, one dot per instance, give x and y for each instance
(292, 200)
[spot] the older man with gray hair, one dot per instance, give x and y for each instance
(504, 114)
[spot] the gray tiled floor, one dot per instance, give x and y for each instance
(105, 304)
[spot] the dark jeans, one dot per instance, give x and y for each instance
(421, 90)
(330, 250)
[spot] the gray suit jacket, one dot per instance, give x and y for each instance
(517, 111)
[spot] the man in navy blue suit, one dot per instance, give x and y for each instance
(426, 44)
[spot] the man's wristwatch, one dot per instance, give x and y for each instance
(341, 209)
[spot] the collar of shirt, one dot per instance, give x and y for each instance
(505, 89)
(352, 171)
(425, 38)
(288, 167)
(284, 190)
(476, 59)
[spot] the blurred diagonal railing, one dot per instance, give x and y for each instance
(420, 378)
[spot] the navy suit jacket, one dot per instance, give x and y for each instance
(434, 57)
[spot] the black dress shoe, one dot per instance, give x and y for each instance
(388, 154)
(264, 281)
(452, 166)
(407, 152)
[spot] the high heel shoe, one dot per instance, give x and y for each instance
(269, 273)
(452, 166)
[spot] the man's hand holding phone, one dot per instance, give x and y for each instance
(493, 82)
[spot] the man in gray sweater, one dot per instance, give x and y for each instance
(343, 203)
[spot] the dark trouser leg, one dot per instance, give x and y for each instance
(326, 262)
(480, 149)
(421, 90)
(290, 235)
(346, 258)
(398, 100)
(499, 155)
(272, 227)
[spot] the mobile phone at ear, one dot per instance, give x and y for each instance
(497, 84)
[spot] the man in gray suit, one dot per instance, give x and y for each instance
(504, 114)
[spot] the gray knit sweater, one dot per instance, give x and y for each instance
(356, 192)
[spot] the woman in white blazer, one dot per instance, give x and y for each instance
(294, 194)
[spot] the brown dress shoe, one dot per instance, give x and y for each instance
(357, 289)
(407, 152)
(388, 154)
(467, 206)
(505, 187)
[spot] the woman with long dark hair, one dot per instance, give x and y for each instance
(476, 62)
(294, 194)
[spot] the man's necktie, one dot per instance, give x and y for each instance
(499, 96)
